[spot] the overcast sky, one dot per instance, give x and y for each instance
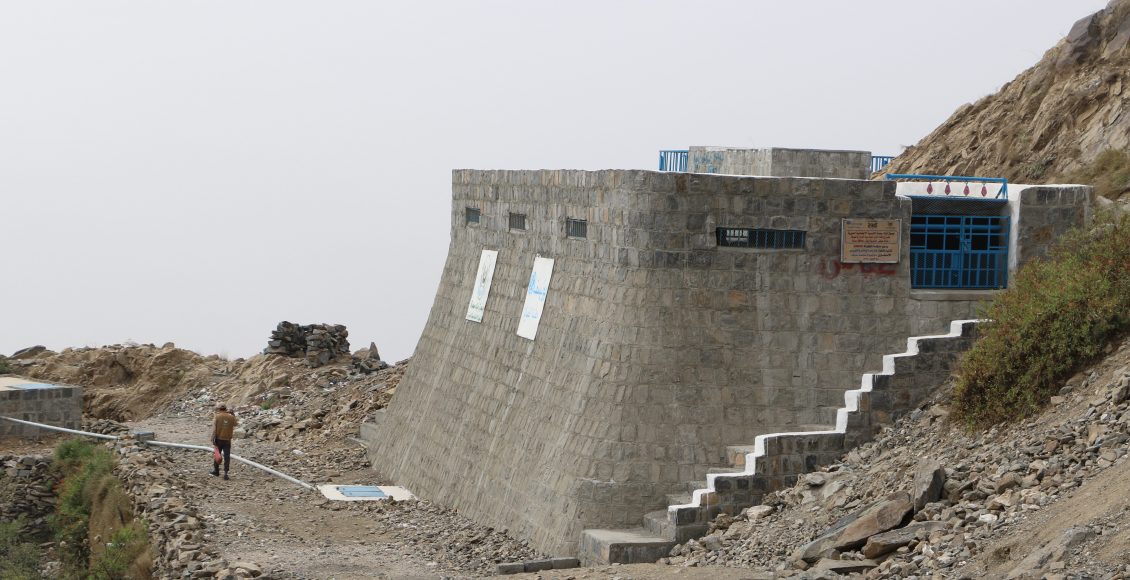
(198, 171)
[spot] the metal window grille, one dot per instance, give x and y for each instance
(473, 214)
(517, 221)
(575, 228)
(674, 160)
(761, 238)
(958, 251)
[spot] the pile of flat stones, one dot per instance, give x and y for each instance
(318, 344)
(927, 496)
(103, 426)
(177, 531)
(27, 485)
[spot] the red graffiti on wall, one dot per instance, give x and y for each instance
(830, 269)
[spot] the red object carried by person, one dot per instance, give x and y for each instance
(216, 457)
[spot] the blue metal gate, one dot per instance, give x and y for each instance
(957, 251)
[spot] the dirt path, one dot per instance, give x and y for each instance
(294, 533)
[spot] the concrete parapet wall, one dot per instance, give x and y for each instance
(1044, 213)
(780, 162)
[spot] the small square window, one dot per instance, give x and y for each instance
(517, 221)
(575, 228)
(473, 214)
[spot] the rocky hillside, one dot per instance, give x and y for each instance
(133, 382)
(1050, 121)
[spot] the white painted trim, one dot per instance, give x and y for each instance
(851, 405)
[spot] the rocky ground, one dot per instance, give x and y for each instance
(1045, 498)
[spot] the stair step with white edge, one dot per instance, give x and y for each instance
(736, 454)
(659, 523)
(622, 546)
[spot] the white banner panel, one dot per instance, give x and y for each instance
(482, 285)
(535, 297)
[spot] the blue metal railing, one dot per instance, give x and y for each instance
(1001, 193)
(880, 161)
(959, 252)
(673, 160)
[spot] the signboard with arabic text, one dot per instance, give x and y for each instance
(868, 241)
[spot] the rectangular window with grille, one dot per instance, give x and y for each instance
(959, 251)
(517, 221)
(473, 215)
(575, 228)
(761, 238)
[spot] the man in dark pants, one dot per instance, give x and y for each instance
(222, 428)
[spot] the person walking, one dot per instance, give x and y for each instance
(222, 428)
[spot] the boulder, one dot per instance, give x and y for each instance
(1008, 481)
(853, 531)
(844, 566)
(889, 541)
(929, 480)
(758, 511)
(881, 516)
(28, 352)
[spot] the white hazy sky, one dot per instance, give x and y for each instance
(198, 171)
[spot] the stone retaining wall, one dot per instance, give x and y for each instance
(59, 406)
(27, 489)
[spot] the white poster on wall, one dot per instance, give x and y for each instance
(482, 285)
(535, 297)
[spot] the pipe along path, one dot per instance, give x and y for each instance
(273, 472)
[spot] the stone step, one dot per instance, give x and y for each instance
(826, 414)
(681, 498)
(658, 523)
(690, 486)
(817, 427)
(633, 546)
(728, 470)
(735, 454)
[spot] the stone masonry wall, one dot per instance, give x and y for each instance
(657, 348)
(59, 406)
(1045, 213)
(780, 162)
(821, 163)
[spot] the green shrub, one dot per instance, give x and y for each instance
(18, 560)
(1057, 316)
(126, 546)
(92, 504)
(4, 366)
(81, 464)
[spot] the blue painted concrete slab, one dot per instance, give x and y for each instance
(361, 491)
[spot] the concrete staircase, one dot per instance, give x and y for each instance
(775, 461)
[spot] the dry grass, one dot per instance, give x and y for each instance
(1109, 174)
